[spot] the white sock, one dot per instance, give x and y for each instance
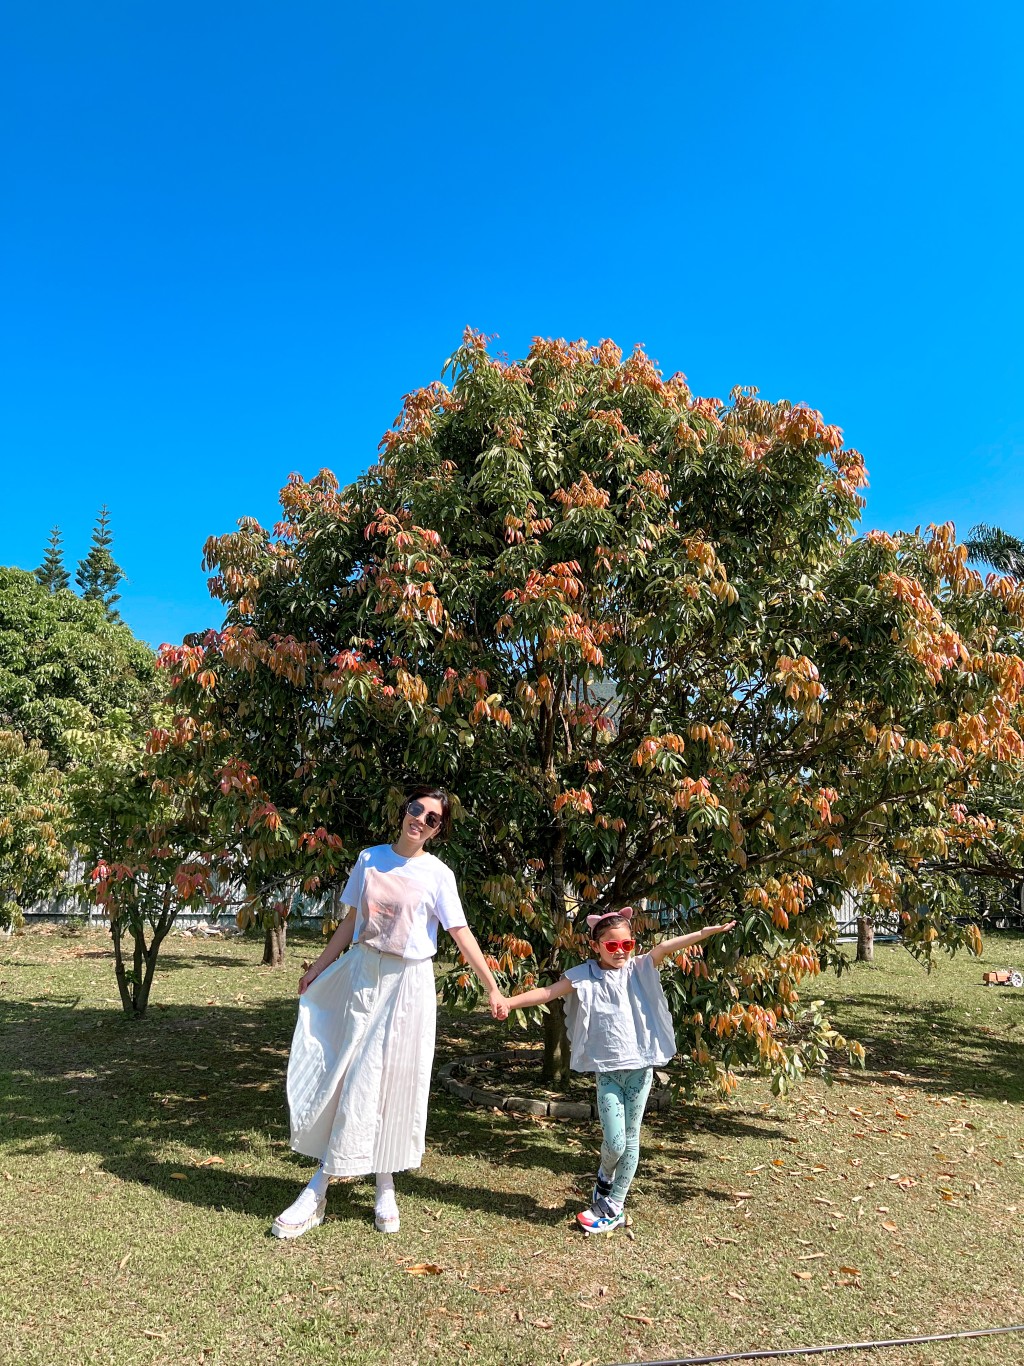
(386, 1206)
(319, 1182)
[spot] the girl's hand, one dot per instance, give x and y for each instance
(498, 1004)
(308, 978)
(709, 930)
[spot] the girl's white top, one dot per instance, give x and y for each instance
(618, 1019)
(400, 901)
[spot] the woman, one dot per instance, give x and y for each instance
(359, 1069)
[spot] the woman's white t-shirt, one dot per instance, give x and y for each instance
(400, 902)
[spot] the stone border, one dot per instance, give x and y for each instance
(660, 1098)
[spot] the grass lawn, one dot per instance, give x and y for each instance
(141, 1165)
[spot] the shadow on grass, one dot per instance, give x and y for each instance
(929, 1045)
(209, 1080)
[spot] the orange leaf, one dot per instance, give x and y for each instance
(424, 1269)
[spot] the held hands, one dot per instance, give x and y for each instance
(498, 1004)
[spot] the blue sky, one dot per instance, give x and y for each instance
(235, 235)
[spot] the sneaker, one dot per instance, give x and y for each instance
(306, 1213)
(601, 1217)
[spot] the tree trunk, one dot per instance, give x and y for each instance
(556, 1047)
(865, 940)
(273, 946)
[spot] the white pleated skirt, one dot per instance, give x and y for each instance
(360, 1062)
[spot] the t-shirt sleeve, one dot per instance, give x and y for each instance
(577, 975)
(352, 895)
(448, 904)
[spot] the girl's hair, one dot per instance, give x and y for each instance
(417, 794)
(614, 921)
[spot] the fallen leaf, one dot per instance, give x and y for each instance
(850, 1270)
(811, 1257)
(541, 1323)
(123, 1262)
(424, 1269)
(178, 1176)
(735, 1295)
(638, 1318)
(211, 1162)
(743, 1195)
(801, 1275)
(152, 1333)
(889, 1228)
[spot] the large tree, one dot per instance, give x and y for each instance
(63, 664)
(633, 630)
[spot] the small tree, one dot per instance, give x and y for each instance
(144, 840)
(98, 573)
(33, 860)
(52, 573)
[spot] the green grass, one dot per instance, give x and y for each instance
(120, 1246)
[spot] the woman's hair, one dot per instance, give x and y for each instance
(612, 921)
(417, 794)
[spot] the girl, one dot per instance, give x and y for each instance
(619, 1027)
(359, 1068)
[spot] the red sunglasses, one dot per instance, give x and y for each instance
(626, 945)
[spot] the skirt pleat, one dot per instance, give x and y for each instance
(360, 1063)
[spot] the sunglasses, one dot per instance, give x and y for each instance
(626, 945)
(431, 820)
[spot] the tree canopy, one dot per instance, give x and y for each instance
(992, 545)
(635, 633)
(63, 664)
(33, 817)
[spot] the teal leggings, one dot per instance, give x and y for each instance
(621, 1098)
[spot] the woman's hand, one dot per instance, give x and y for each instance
(308, 978)
(498, 1004)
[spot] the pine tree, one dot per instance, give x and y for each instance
(52, 573)
(99, 573)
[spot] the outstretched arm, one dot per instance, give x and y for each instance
(683, 941)
(539, 996)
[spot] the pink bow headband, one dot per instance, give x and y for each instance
(594, 920)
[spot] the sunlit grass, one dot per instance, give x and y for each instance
(141, 1164)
